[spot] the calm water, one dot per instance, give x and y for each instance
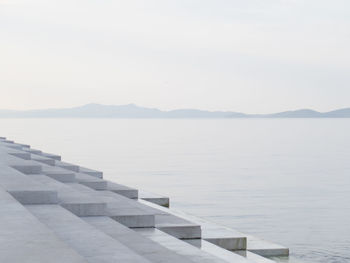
(285, 180)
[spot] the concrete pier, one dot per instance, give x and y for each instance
(55, 211)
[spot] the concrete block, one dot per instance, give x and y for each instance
(178, 246)
(91, 181)
(68, 166)
(154, 198)
(265, 248)
(24, 239)
(76, 202)
(145, 247)
(24, 189)
(122, 190)
(52, 156)
(91, 172)
(177, 227)
(124, 210)
(87, 240)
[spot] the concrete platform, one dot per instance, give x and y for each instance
(265, 248)
(177, 227)
(179, 246)
(91, 181)
(122, 209)
(154, 198)
(24, 239)
(91, 172)
(147, 248)
(24, 189)
(68, 166)
(88, 241)
(122, 190)
(76, 202)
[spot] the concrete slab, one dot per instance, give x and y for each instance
(154, 198)
(43, 159)
(91, 172)
(76, 202)
(219, 235)
(52, 156)
(177, 227)
(253, 257)
(24, 189)
(265, 248)
(224, 254)
(68, 166)
(145, 247)
(122, 190)
(24, 239)
(91, 181)
(59, 174)
(179, 246)
(124, 210)
(88, 241)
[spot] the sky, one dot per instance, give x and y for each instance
(248, 56)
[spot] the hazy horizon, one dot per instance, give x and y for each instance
(165, 110)
(242, 56)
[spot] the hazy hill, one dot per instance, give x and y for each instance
(133, 111)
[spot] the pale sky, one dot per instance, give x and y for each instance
(250, 56)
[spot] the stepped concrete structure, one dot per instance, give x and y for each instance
(54, 211)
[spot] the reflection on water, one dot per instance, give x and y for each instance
(284, 180)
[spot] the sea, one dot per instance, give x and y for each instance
(284, 180)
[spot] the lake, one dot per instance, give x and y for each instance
(285, 180)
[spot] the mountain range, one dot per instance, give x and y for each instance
(94, 110)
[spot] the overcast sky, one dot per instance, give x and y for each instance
(240, 55)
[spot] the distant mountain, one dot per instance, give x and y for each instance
(133, 111)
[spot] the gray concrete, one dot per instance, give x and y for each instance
(88, 241)
(122, 209)
(265, 248)
(177, 227)
(154, 198)
(179, 246)
(122, 190)
(148, 248)
(24, 239)
(78, 203)
(91, 172)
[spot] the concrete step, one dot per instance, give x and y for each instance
(219, 235)
(33, 151)
(91, 172)
(91, 181)
(24, 189)
(59, 174)
(122, 190)
(178, 246)
(254, 257)
(265, 248)
(24, 239)
(43, 159)
(154, 198)
(177, 226)
(75, 201)
(87, 240)
(124, 210)
(68, 166)
(52, 156)
(145, 247)
(230, 256)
